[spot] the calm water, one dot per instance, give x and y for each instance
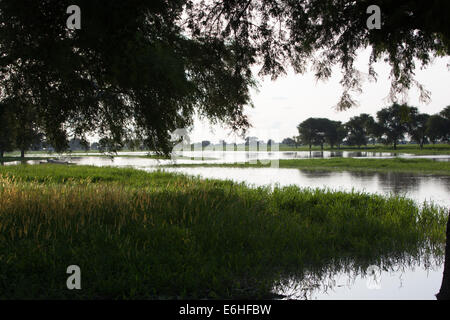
(416, 279)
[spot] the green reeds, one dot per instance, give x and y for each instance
(138, 235)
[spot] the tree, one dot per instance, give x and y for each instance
(360, 128)
(317, 131)
(418, 127)
(130, 70)
(393, 122)
(308, 131)
(205, 143)
(446, 113)
(328, 33)
(251, 141)
(437, 128)
(28, 133)
(8, 130)
(333, 133)
(357, 136)
(146, 67)
(288, 141)
(341, 132)
(78, 144)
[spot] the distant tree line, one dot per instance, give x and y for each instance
(391, 126)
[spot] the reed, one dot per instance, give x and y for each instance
(138, 235)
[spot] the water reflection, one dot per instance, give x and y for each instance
(400, 277)
(419, 187)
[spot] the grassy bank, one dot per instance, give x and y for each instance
(428, 149)
(158, 235)
(395, 164)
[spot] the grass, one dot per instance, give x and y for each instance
(138, 235)
(355, 164)
(428, 149)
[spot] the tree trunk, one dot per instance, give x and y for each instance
(395, 145)
(2, 153)
(22, 153)
(444, 293)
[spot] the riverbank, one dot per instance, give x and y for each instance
(138, 235)
(428, 149)
(347, 164)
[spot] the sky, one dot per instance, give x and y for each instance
(280, 105)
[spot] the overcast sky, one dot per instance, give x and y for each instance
(280, 105)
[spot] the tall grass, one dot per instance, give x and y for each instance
(159, 235)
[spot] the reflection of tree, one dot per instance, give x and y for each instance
(444, 292)
(336, 154)
(322, 279)
(312, 174)
(394, 182)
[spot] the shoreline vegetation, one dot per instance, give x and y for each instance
(344, 164)
(140, 235)
(428, 149)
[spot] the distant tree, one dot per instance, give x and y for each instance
(94, 146)
(109, 145)
(28, 134)
(288, 141)
(341, 134)
(333, 136)
(356, 135)
(205, 143)
(437, 128)
(251, 140)
(417, 127)
(312, 131)
(393, 122)
(307, 132)
(8, 130)
(446, 113)
(78, 144)
(223, 144)
(376, 132)
(360, 128)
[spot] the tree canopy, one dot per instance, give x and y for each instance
(141, 69)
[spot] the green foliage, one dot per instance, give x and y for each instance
(130, 72)
(8, 130)
(360, 128)
(438, 128)
(317, 131)
(140, 235)
(328, 33)
(394, 122)
(417, 128)
(141, 69)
